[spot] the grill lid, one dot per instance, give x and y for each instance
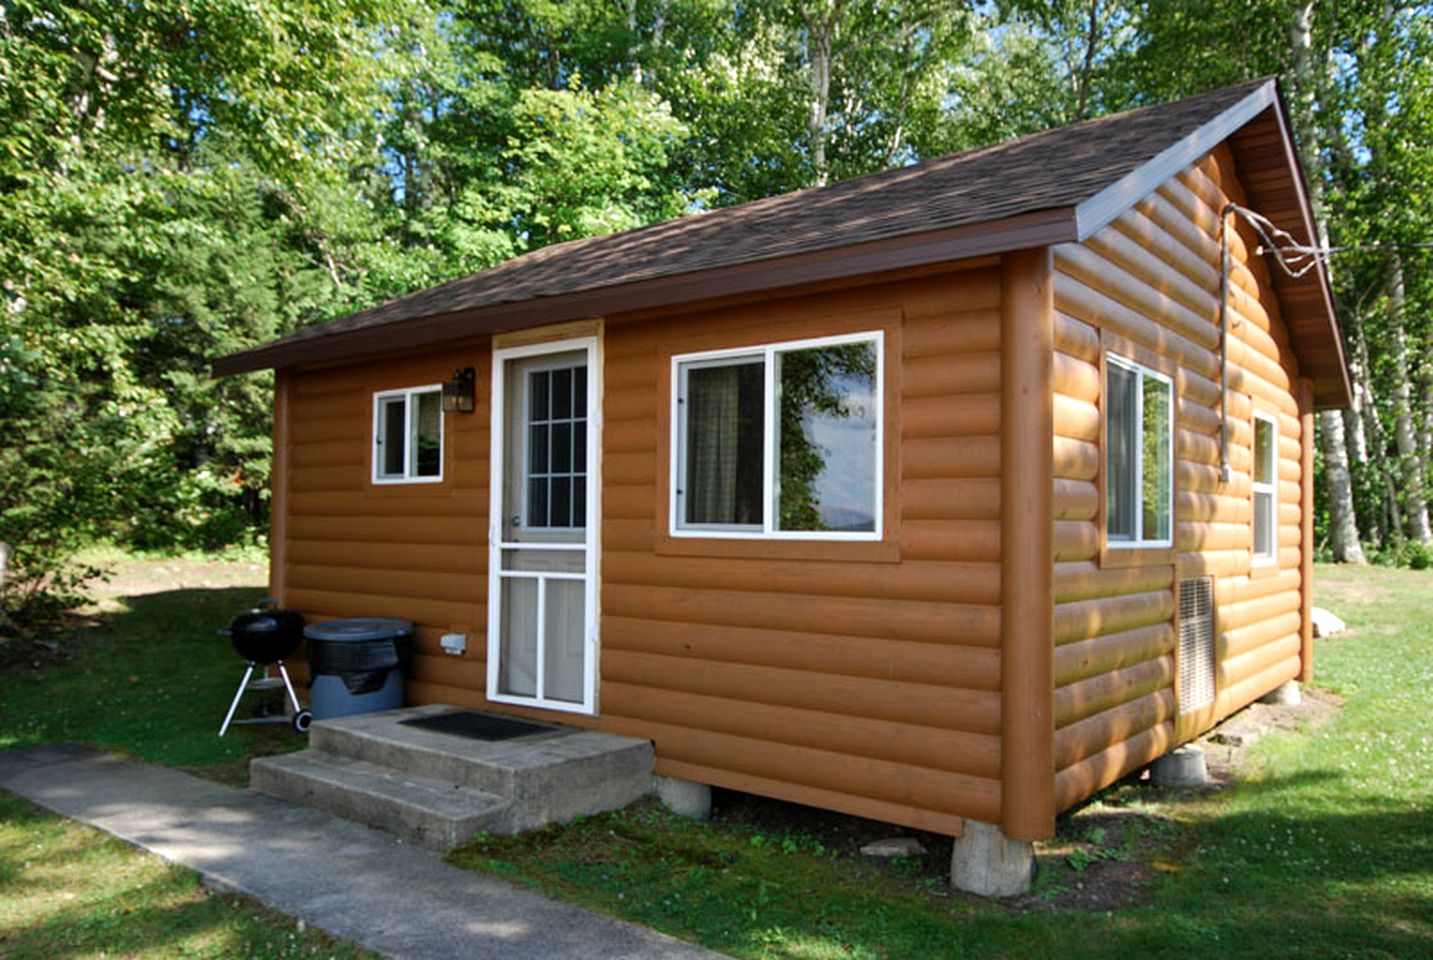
(265, 636)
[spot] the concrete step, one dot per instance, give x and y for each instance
(434, 813)
(549, 777)
(438, 790)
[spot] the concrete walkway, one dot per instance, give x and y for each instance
(355, 883)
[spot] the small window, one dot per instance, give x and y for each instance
(1266, 486)
(780, 441)
(1139, 455)
(408, 435)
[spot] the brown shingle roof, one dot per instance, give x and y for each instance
(1044, 188)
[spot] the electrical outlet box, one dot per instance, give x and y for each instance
(454, 643)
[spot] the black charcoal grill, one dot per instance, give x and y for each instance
(264, 636)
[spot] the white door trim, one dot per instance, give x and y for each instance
(497, 479)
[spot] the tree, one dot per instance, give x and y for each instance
(156, 163)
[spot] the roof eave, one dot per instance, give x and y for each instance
(1041, 228)
(1105, 206)
(1340, 394)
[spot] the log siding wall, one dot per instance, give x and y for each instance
(866, 677)
(417, 551)
(863, 677)
(860, 677)
(1146, 287)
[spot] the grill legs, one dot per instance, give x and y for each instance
(301, 716)
(239, 694)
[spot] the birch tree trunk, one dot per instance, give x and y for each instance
(1405, 437)
(1343, 523)
(5, 621)
(634, 47)
(1343, 531)
(1425, 423)
(820, 38)
(1361, 419)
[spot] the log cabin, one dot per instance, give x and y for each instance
(946, 495)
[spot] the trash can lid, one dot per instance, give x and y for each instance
(359, 629)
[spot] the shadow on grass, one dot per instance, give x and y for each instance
(156, 917)
(1244, 883)
(152, 680)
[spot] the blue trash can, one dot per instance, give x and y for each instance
(356, 666)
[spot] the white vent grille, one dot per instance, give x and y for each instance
(1196, 643)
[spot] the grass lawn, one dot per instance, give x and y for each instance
(142, 671)
(69, 891)
(1323, 849)
(143, 674)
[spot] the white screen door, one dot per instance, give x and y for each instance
(542, 598)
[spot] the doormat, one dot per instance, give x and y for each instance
(478, 726)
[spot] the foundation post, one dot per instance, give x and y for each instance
(684, 797)
(986, 862)
(1286, 694)
(1181, 767)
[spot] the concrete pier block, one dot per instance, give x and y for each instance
(1286, 694)
(685, 798)
(986, 862)
(1183, 767)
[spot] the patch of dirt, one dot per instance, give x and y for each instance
(1225, 745)
(841, 834)
(1099, 860)
(1106, 854)
(133, 578)
(1355, 590)
(38, 648)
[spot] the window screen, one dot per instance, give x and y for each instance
(1121, 438)
(392, 416)
(427, 434)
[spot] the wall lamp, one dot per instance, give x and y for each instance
(459, 393)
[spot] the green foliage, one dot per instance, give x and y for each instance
(1405, 553)
(155, 179)
(182, 180)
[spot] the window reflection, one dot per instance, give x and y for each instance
(827, 470)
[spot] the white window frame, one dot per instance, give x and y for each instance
(766, 354)
(409, 411)
(1143, 373)
(1271, 488)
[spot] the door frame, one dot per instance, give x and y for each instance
(497, 480)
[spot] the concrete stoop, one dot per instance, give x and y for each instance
(438, 790)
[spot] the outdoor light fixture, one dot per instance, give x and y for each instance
(458, 393)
